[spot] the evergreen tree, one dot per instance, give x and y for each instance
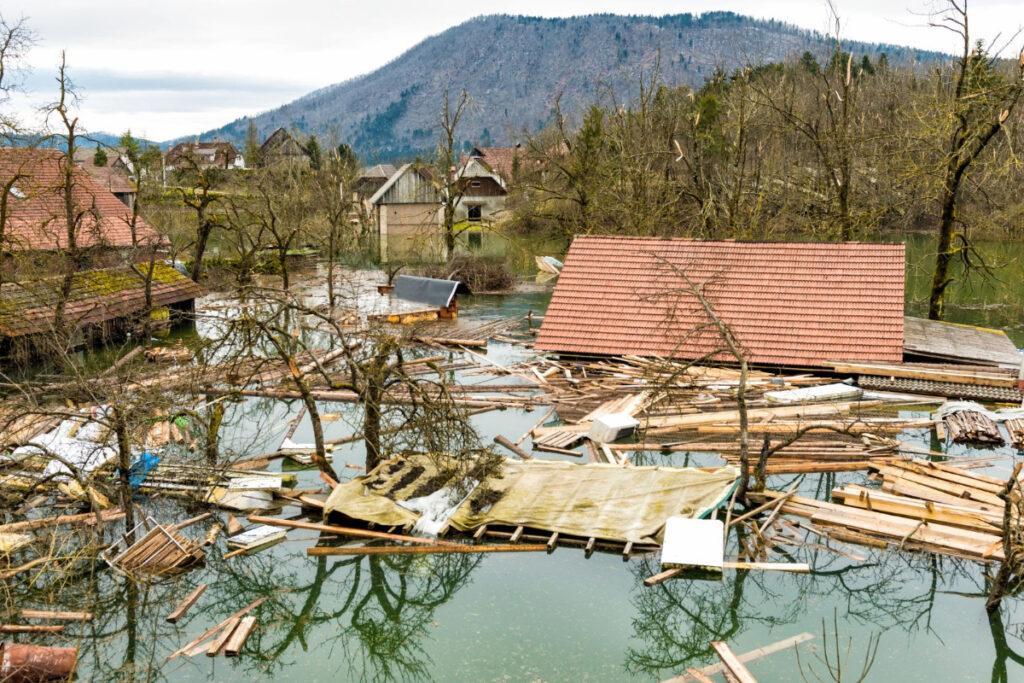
(316, 155)
(252, 146)
(100, 157)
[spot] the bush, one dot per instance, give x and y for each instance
(479, 274)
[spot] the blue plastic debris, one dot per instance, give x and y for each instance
(140, 469)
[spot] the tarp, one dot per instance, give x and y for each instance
(609, 502)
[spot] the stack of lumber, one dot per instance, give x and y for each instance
(969, 426)
(821, 456)
(927, 506)
(982, 382)
(1015, 428)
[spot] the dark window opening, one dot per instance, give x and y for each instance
(474, 240)
(474, 213)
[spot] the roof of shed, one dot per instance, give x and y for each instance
(36, 220)
(788, 303)
(96, 296)
(427, 290)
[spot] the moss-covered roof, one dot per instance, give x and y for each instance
(95, 296)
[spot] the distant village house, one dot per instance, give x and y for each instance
(204, 155)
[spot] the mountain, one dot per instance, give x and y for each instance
(514, 67)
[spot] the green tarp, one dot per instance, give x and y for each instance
(609, 502)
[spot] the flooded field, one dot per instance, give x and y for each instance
(540, 616)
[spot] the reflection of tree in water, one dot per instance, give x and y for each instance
(388, 606)
(677, 620)
(377, 608)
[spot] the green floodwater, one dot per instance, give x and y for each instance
(539, 616)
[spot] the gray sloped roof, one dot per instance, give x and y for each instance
(427, 290)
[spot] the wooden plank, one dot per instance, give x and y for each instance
(746, 657)
(944, 513)
(214, 629)
(220, 641)
(755, 414)
(30, 628)
(908, 371)
(63, 520)
(732, 662)
(416, 550)
(797, 567)
(239, 636)
(60, 616)
(503, 441)
(186, 604)
(348, 531)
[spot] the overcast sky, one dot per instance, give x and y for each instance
(167, 68)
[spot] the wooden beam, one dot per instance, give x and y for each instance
(732, 662)
(416, 550)
(348, 531)
(239, 636)
(214, 629)
(30, 628)
(186, 604)
(61, 616)
(220, 641)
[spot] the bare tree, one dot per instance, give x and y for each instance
(976, 101)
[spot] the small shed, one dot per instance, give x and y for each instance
(98, 305)
(440, 294)
(794, 304)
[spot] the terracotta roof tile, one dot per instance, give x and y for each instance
(36, 205)
(788, 303)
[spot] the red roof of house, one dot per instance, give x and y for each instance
(501, 160)
(788, 303)
(36, 211)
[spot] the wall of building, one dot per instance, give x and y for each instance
(410, 232)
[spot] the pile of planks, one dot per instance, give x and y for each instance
(161, 550)
(972, 427)
(1015, 429)
(927, 506)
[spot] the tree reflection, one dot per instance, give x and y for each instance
(677, 620)
(376, 608)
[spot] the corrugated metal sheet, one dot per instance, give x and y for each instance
(426, 290)
(794, 303)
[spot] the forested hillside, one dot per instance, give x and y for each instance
(514, 68)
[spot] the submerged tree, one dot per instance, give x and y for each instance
(974, 102)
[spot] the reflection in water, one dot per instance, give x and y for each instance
(377, 608)
(677, 620)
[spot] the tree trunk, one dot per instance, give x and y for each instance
(124, 463)
(213, 433)
(943, 257)
(741, 405)
(202, 237)
(371, 426)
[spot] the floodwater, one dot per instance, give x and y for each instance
(538, 616)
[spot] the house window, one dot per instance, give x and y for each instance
(473, 213)
(474, 183)
(474, 240)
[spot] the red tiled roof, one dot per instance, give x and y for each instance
(788, 303)
(498, 159)
(95, 296)
(112, 178)
(36, 212)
